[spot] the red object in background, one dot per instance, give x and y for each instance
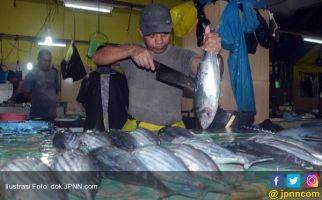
(12, 117)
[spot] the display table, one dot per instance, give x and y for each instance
(297, 123)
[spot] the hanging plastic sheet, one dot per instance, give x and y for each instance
(231, 31)
(72, 66)
(184, 18)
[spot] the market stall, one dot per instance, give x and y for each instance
(163, 100)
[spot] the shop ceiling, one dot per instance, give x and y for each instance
(299, 16)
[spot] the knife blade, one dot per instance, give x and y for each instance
(173, 77)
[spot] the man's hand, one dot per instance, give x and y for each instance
(142, 57)
(212, 41)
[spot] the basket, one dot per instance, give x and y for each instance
(96, 40)
(231, 118)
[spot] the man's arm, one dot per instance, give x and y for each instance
(27, 86)
(18, 91)
(112, 54)
(212, 43)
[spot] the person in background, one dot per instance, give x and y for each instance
(17, 88)
(153, 104)
(42, 86)
(114, 84)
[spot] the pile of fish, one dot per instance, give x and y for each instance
(286, 150)
(174, 161)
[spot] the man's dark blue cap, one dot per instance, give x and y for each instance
(155, 18)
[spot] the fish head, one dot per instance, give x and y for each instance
(205, 115)
(72, 141)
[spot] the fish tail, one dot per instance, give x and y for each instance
(170, 194)
(207, 190)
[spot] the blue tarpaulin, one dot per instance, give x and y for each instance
(231, 30)
(26, 127)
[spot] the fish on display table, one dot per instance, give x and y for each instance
(172, 172)
(250, 146)
(34, 179)
(120, 165)
(144, 137)
(311, 135)
(77, 169)
(94, 139)
(292, 147)
(201, 166)
(168, 133)
(122, 140)
(217, 153)
(66, 139)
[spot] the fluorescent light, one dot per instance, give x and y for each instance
(88, 6)
(310, 39)
(49, 42)
(29, 66)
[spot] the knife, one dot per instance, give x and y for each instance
(173, 77)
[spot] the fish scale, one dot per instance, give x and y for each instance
(207, 89)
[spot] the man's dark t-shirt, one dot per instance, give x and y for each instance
(43, 86)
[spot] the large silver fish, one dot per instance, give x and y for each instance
(94, 139)
(122, 166)
(29, 179)
(76, 171)
(311, 135)
(167, 134)
(299, 143)
(218, 154)
(292, 148)
(66, 139)
(207, 89)
(171, 171)
(202, 167)
(144, 137)
(194, 159)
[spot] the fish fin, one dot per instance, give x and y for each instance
(315, 139)
(207, 190)
(247, 165)
(169, 194)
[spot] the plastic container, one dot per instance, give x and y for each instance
(12, 116)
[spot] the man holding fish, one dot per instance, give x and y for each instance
(154, 104)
